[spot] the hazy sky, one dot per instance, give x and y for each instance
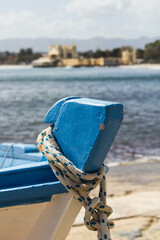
(79, 18)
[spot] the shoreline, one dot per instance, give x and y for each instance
(143, 65)
(142, 159)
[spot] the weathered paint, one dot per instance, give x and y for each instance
(85, 129)
(30, 183)
(18, 154)
(53, 112)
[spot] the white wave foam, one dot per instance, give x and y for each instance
(140, 159)
(15, 66)
(142, 66)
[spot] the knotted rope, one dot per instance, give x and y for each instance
(79, 184)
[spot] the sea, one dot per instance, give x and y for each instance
(26, 94)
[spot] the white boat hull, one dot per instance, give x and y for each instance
(42, 221)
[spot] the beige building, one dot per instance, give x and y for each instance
(60, 52)
(109, 61)
(77, 62)
(68, 56)
(59, 55)
(128, 56)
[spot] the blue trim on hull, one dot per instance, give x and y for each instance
(28, 184)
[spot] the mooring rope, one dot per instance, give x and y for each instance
(79, 184)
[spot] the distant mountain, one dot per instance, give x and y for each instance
(42, 44)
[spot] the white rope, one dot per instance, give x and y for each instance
(79, 184)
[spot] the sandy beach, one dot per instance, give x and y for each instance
(134, 195)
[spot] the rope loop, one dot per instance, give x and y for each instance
(79, 184)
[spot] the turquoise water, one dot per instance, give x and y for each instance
(26, 94)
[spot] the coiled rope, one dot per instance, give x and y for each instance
(79, 184)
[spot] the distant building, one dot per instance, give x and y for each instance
(109, 61)
(128, 56)
(68, 56)
(60, 52)
(77, 62)
(58, 56)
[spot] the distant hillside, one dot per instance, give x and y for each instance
(42, 44)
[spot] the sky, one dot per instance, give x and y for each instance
(80, 19)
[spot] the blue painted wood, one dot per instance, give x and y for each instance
(37, 193)
(85, 129)
(53, 112)
(32, 183)
(19, 148)
(19, 154)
